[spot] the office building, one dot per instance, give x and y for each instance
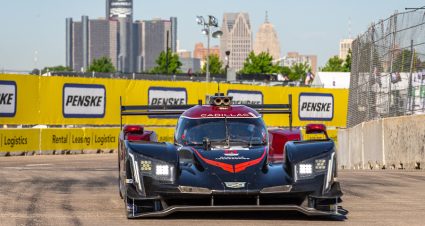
(200, 52)
(267, 40)
(190, 65)
(293, 58)
(154, 35)
(122, 11)
(132, 46)
(173, 21)
(344, 46)
(184, 54)
(237, 38)
(87, 40)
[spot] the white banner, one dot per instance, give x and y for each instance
(8, 92)
(84, 101)
(159, 96)
(316, 107)
(246, 97)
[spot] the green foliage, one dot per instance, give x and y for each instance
(174, 63)
(260, 64)
(347, 63)
(59, 68)
(299, 71)
(285, 71)
(102, 65)
(334, 64)
(216, 66)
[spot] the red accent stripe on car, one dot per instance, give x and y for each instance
(230, 168)
(224, 166)
(242, 166)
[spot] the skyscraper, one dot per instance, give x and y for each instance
(267, 40)
(69, 42)
(344, 46)
(103, 40)
(173, 21)
(122, 11)
(237, 38)
(90, 39)
(154, 35)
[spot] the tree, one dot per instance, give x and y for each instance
(173, 62)
(35, 71)
(59, 68)
(285, 71)
(347, 63)
(260, 64)
(334, 64)
(299, 71)
(102, 65)
(216, 66)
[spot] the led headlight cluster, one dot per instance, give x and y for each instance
(156, 169)
(146, 166)
(162, 170)
(310, 168)
(320, 164)
(305, 169)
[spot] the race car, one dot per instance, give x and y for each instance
(224, 159)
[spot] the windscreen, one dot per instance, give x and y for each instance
(248, 131)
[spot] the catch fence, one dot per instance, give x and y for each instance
(388, 69)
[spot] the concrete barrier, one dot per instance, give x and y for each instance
(373, 145)
(395, 143)
(343, 150)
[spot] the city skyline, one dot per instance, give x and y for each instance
(34, 38)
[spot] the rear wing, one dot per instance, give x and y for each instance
(169, 110)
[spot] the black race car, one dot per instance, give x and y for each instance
(224, 159)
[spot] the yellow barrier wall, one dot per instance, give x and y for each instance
(40, 100)
(13, 140)
(24, 140)
(79, 139)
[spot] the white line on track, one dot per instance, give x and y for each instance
(35, 165)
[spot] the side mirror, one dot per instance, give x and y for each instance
(207, 143)
(316, 129)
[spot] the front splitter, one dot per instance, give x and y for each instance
(174, 209)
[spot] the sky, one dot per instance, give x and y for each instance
(36, 29)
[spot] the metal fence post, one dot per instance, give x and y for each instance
(410, 89)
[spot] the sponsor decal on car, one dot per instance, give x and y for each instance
(246, 97)
(84, 101)
(316, 107)
(8, 98)
(221, 115)
(231, 153)
(235, 185)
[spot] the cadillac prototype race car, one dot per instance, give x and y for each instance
(224, 159)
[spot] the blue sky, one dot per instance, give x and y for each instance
(305, 26)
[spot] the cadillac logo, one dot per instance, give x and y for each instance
(231, 153)
(235, 185)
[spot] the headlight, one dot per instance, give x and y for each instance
(162, 170)
(311, 168)
(157, 169)
(320, 164)
(305, 169)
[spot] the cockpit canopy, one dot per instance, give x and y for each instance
(237, 131)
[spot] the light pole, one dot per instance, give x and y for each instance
(211, 22)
